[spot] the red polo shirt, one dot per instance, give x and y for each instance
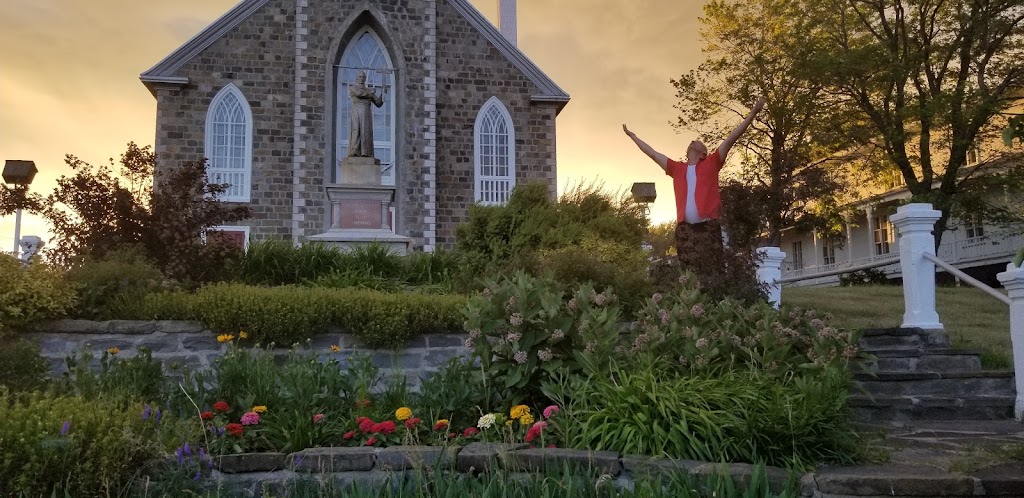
(706, 193)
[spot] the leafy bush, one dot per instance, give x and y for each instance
(732, 416)
(289, 314)
(138, 378)
(85, 447)
(279, 262)
(100, 282)
(871, 276)
(705, 336)
(31, 294)
(455, 392)
(524, 331)
(21, 367)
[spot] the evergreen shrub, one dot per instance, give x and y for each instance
(31, 294)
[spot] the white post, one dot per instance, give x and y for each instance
(915, 223)
(769, 272)
(17, 232)
(1013, 280)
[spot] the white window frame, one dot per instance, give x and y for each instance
(798, 255)
(884, 235)
(226, 228)
(828, 251)
(973, 156)
(211, 172)
(478, 177)
(973, 227)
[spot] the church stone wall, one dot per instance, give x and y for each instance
(471, 71)
(257, 57)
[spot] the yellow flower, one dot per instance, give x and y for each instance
(518, 411)
(526, 420)
(335, 348)
(509, 422)
(243, 335)
(225, 338)
(259, 408)
(114, 350)
(403, 413)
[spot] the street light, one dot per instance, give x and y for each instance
(20, 174)
(644, 194)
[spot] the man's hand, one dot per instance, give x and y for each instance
(628, 133)
(760, 103)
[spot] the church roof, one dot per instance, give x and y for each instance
(165, 70)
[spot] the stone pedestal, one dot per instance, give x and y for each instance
(360, 209)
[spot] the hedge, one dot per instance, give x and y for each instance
(290, 314)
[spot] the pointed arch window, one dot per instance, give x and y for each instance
(366, 52)
(229, 143)
(494, 154)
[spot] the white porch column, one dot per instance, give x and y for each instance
(914, 224)
(849, 241)
(1013, 280)
(818, 259)
(769, 272)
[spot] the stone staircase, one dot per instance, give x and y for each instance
(916, 376)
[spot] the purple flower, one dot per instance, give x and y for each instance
(159, 415)
(179, 455)
(65, 428)
(197, 477)
(146, 411)
(187, 449)
(202, 454)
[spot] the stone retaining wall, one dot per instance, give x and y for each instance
(182, 345)
(271, 474)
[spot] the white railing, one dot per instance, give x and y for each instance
(917, 260)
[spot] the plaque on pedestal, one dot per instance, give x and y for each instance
(360, 171)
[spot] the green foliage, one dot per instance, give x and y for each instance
(21, 367)
(1018, 260)
(289, 314)
(121, 274)
(871, 276)
(279, 262)
(495, 238)
(31, 294)
(730, 416)
(705, 336)
(138, 378)
(524, 331)
(456, 392)
(103, 449)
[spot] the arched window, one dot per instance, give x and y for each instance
(494, 154)
(229, 143)
(366, 52)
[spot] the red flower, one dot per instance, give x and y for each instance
(206, 415)
(470, 432)
(363, 403)
(318, 417)
(532, 433)
(552, 446)
(440, 425)
(411, 423)
(452, 434)
(221, 407)
(383, 427)
(234, 429)
(366, 425)
(349, 435)
(370, 442)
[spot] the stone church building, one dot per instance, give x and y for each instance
(262, 93)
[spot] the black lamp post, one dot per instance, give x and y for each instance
(19, 174)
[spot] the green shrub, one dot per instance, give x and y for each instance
(31, 294)
(279, 262)
(21, 367)
(525, 330)
(732, 417)
(99, 453)
(132, 378)
(871, 276)
(119, 275)
(290, 314)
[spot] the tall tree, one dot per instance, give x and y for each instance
(927, 79)
(787, 151)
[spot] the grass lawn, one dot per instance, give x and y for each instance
(973, 319)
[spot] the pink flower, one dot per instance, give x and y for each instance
(370, 442)
(250, 418)
(349, 435)
(318, 417)
(520, 357)
(366, 425)
(470, 432)
(697, 310)
(411, 423)
(551, 411)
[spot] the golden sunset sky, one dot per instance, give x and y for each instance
(69, 81)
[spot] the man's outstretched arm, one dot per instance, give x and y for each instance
(723, 149)
(658, 157)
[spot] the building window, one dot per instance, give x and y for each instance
(894, 180)
(798, 255)
(494, 152)
(883, 235)
(974, 226)
(828, 251)
(234, 236)
(973, 155)
(366, 53)
(229, 143)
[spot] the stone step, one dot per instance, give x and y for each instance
(882, 409)
(957, 384)
(882, 339)
(923, 360)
